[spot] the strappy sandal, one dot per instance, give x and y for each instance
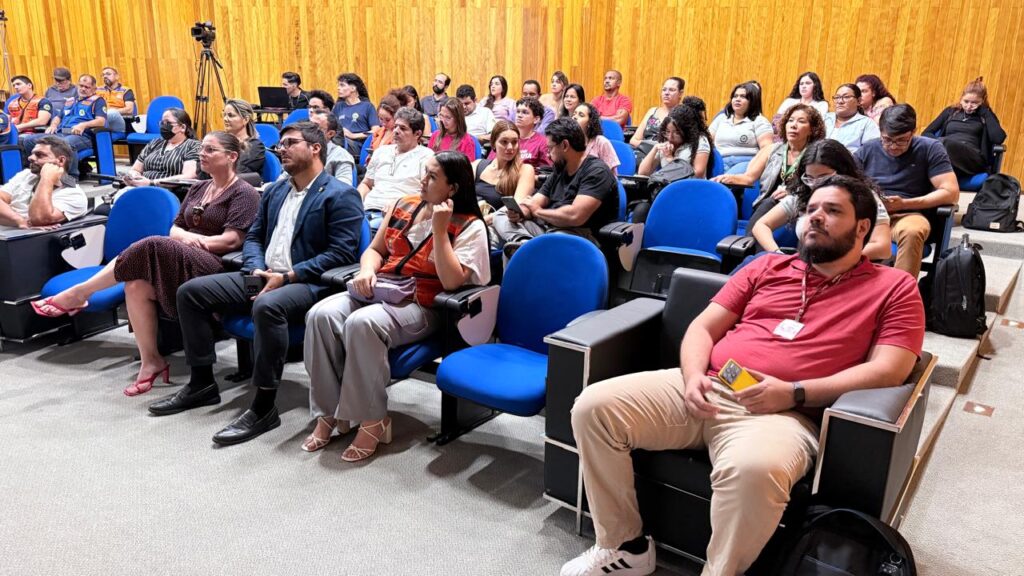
(355, 454)
(50, 309)
(316, 441)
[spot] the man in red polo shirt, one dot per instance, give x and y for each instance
(809, 327)
(611, 104)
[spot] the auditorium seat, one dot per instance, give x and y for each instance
(271, 167)
(268, 134)
(612, 130)
(299, 115)
(154, 113)
(10, 156)
(627, 161)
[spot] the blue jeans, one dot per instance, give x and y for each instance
(731, 161)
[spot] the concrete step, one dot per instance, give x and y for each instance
(940, 399)
(1000, 279)
(999, 244)
(957, 356)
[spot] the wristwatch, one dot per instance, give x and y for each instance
(287, 279)
(799, 394)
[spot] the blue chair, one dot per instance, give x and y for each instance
(271, 167)
(612, 130)
(433, 123)
(973, 183)
(294, 116)
(623, 201)
(364, 151)
(268, 134)
(691, 224)
(627, 160)
(479, 150)
(10, 156)
(139, 213)
(717, 167)
(510, 376)
(103, 151)
(154, 112)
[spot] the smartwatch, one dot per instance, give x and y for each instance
(799, 394)
(287, 279)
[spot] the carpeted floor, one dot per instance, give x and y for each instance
(93, 484)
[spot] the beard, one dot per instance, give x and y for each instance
(559, 164)
(820, 253)
(438, 90)
(35, 168)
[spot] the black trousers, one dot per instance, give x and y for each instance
(966, 159)
(200, 298)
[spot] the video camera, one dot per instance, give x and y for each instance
(204, 32)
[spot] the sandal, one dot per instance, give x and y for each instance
(143, 385)
(319, 438)
(47, 307)
(355, 453)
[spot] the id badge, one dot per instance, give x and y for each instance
(788, 329)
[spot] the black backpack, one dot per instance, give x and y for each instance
(845, 542)
(954, 293)
(994, 207)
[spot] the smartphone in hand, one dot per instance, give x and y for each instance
(253, 284)
(512, 206)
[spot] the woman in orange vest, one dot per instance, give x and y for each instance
(436, 240)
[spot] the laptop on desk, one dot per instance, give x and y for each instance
(274, 97)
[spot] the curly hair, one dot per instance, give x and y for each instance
(877, 86)
(688, 121)
(813, 117)
(829, 153)
(353, 79)
(594, 128)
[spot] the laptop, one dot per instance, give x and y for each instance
(274, 97)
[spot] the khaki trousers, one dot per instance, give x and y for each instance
(756, 459)
(909, 230)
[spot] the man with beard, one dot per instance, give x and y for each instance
(579, 197)
(42, 194)
(809, 328)
(307, 224)
(432, 103)
(87, 110)
(120, 99)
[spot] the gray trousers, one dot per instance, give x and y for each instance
(524, 230)
(346, 353)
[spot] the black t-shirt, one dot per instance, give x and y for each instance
(592, 179)
(966, 128)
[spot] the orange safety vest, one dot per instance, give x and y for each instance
(22, 112)
(419, 266)
(113, 96)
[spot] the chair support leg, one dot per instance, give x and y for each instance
(244, 353)
(459, 416)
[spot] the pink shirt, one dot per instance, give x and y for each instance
(609, 107)
(871, 305)
(602, 149)
(467, 145)
(532, 150)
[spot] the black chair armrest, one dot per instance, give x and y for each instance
(616, 233)
(619, 341)
(462, 301)
(339, 277)
(998, 151)
(869, 440)
(735, 246)
(233, 260)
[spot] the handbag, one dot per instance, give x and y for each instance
(393, 288)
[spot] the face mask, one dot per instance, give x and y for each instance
(166, 132)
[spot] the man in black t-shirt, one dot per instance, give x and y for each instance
(580, 196)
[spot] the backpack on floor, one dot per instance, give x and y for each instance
(954, 293)
(994, 207)
(848, 543)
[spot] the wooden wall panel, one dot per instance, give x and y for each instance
(925, 50)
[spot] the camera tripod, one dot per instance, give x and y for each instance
(209, 68)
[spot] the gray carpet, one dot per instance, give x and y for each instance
(94, 485)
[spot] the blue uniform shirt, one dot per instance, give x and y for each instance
(82, 110)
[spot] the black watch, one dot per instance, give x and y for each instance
(799, 394)
(287, 279)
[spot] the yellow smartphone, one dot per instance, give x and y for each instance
(736, 376)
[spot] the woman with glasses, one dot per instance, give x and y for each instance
(848, 124)
(451, 132)
(683, 137)
(741, 131)
(174, 154)
(212, 221)
(646, 135)
(239, 121)
(820, 161)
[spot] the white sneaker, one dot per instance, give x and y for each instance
(602, 561)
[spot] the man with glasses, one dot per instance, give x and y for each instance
(120, 99)
(580, 196)
(63, 90)
(432, 102)
(915, 177)
(307, 224)
(396, 170)
(87, 110)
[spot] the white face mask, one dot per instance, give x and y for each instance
(801, 227)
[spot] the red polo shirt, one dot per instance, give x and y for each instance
(871, 305)
(611, 106)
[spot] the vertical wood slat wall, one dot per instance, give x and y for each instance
(925, 50)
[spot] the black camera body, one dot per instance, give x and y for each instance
(204, 32)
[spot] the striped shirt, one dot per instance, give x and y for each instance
(158, 162)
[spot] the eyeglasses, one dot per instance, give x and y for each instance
(210, 149)
(169, 124)
(899, 142)
(843, 98)
(289, 142)
(813, 182)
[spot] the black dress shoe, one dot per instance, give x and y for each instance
(246, 427)
(183, 400)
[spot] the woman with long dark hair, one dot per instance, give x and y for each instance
(174, 154)
(440, 239)
(572, 96)
(821, 160)
(968, 130)
(503, 107)
(807, 90)
(451, 130)
(742, 130)
(553, 99)
(589, 119)
(874, 96)
(683, 137)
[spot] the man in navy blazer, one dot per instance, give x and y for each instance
(306, 224)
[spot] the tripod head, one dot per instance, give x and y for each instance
(204, 33)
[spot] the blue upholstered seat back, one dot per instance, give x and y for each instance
(693, 214)
(140, 212)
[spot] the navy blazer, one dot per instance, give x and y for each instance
(327, 230)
